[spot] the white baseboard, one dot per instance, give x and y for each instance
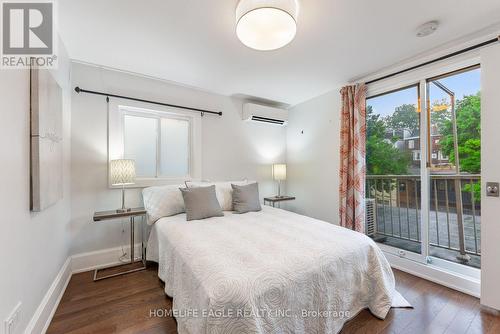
(468, 285)
(102, 258)
(40, 321)
(45, 311)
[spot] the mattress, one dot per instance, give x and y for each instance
(271, 271)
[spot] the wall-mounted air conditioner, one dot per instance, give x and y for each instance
(263, 114)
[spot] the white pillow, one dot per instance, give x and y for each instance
(223, 191)
(163, 201)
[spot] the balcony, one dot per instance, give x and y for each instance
(454, 222)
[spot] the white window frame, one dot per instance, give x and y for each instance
(116, 116)
(411, 144)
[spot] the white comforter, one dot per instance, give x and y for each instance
(268, 272)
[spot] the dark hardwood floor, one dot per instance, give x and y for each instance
(122, 305)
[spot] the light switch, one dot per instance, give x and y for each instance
(492, 189)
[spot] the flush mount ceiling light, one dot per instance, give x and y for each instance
(266, 24)
(427, 28)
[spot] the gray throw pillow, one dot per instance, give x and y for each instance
(201, 203)
(246, 198)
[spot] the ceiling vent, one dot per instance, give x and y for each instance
(264, 114)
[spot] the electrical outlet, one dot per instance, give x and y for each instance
(12, 322)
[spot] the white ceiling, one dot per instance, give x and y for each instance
(193, 41)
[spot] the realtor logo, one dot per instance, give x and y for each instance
(28, 34)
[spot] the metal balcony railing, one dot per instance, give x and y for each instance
(455, 210)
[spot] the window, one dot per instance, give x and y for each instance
(441, 156)
(391, 117)
(416, 155)
(165, 142)
(159, 144)
(396, 113)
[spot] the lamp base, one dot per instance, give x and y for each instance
(123, 210)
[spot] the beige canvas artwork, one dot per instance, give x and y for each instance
(46, 140)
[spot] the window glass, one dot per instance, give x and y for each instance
(455, 197)
(140, 143)
(393, 157)
(459, 93)
(174, 151)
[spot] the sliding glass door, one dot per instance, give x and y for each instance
(423, 168)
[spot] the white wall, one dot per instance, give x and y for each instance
(313, 157)
(231, 149)
(34, 245)
(490, 169)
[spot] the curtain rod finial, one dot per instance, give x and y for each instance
(77, 89)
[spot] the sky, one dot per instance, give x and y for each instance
(466, 83)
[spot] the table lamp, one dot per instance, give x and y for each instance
(122, 173)
(279, 174)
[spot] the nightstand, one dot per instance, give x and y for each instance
(277, 199)
(128, 267)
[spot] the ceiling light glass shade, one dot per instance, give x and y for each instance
(266, 24)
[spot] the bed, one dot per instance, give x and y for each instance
(271, 271)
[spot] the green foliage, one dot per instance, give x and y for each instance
(468, 111)
(475, 189)
(404, 117)
(470, 156)
(384, 158)
(381, 155)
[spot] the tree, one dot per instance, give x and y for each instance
(468, 114)
(405, 117)
(381, 155)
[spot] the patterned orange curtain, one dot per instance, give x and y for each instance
(352, 157)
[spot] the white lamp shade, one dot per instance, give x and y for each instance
(266, 24)
(122, 171)
(279, 172)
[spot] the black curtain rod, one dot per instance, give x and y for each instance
(202, 111)
(456, 53)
